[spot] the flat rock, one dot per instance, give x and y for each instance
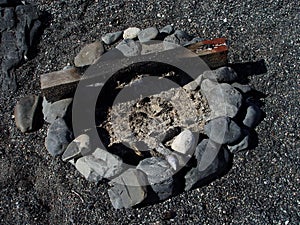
(168, 29)
(222, 75)
(80, 146)
(111, 38)
(128, 189)
(100, 164)
(131, 33)
(223, 130)
(213, 160)
(184, 142)
(28, 113)
(148, 34)
(58, 137)
(89, 54)
(160, 176)
(55, 110)
(129, 48)
(223, 99)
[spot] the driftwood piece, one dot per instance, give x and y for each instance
(62, 84)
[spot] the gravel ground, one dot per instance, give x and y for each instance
(261, 188)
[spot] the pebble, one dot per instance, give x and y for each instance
(213, 160)
(223, 130)
(148, 34)
(129, 48)
(89, 54)
(55, 110)
(184, 142)
(223, 99)
(160, 176)
(128, 189)
(222, 75)
(111, 38)
(58, 137)
(79, 147)
(168, 29)
(131, 33)
(28, 113)
(253, 116)
(100, 164)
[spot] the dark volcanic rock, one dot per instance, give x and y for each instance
(128, 189)
(213, 160)
(28, 113)
(223, 130)
(58, 137)
(253, 115)
(160, 176)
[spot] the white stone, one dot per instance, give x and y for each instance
(184, 142)
(131, 33)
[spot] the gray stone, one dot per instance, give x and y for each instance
(178, 38)
(111, 38)
(79, 147)
(129, 48)
(131, 33)
(28, 113)
(100, 164)
(222, 75)
(129, 189)
(184, 142)
(223, 99)
(243, 88)
(212, 161)
(58, 137)
(168, 29)
(253, 116)
(173, 161)
(242, 145)
(148, 34)
(193, 85)
(223, 130)
(193, 41)
(89, 54)
(55, 110)
(160, 176)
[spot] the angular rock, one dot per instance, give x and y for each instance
(28, 113)
(100, 164)
(213, 160)
(160, 176)
(242, 145)
(193, 41)
(222, 75)
(223, 99)
(58, 137)
(89, 54)
(111, 38)
(129, 48)
(55, 110)
(243, 88)
(193, 85)
(79, 147)
(253, 116)
(148, 34)
(129, 189)
(168, 29)
(223, 130)
(184, 142)
(131, 33)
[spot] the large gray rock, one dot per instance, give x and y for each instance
(148, 34)
(129, 189)
(184, 142)
(28, 113)
(111, 38)
(100, 164)
(222, 75)
(89, 54)
(131, 33)
(212, 161)
(80, 146)
(55, 110)
(129, 47)
(223, 99)
(160, 176)
(223, 130)
(58, 137)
